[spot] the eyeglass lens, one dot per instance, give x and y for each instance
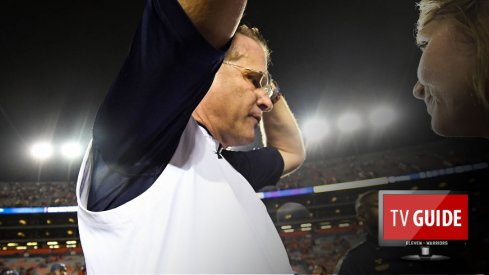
(259, 79)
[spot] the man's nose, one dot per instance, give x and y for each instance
(263, 101)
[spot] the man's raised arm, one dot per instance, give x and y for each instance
(281, 131)
(216, 20)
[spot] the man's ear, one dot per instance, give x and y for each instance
(361, 216)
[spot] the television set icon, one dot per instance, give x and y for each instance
(424, 218)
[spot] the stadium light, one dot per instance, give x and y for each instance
(315, 130)
(382, 116)
(349, 122)
(42, 150)
(71, 150)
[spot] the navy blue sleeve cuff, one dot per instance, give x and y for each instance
(260, 167)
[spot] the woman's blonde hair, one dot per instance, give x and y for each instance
(473, 18)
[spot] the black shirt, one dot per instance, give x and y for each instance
(138, 126)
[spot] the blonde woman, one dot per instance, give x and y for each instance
(453, 73)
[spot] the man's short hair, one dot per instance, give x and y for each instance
(253, 33)
(360, 201)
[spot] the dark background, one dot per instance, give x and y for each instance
(58, 58)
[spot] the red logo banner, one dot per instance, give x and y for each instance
(425, 217)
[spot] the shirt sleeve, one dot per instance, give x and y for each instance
(260, 167)
(169, 69)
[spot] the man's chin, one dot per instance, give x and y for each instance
(244, 140)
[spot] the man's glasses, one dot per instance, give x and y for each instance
(261, 80)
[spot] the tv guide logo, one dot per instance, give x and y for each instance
(424, 215)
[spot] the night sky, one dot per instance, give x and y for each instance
(58, 59)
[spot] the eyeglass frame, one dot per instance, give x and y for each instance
(271, 86)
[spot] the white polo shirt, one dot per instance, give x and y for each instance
(200, 216)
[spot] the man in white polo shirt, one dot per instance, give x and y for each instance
(158, 192)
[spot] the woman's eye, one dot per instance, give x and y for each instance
(422, 45)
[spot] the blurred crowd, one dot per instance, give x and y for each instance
(308, 254)
(32, 194)
(442, 154)
(438, 155)
(319, 254)
(43, 265)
